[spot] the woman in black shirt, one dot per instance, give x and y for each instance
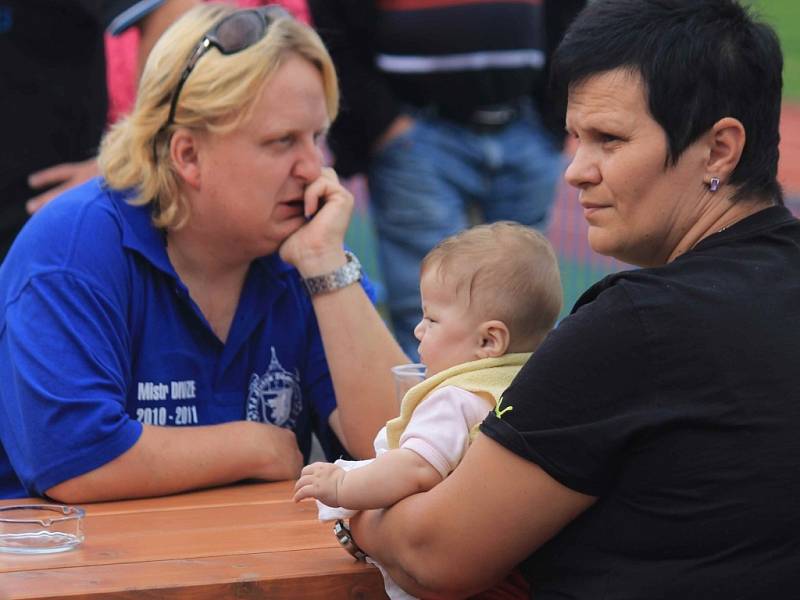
(652, 450)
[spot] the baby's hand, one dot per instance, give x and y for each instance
(320, 480)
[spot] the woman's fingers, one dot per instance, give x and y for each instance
(315, 246)
(324, 190)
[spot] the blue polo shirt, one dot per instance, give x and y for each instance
(98, 335)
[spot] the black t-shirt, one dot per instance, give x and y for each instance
(53, 98)
(673, 395)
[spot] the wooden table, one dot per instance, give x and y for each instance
(242, 541)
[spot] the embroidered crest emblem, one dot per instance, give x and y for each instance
(275, 396)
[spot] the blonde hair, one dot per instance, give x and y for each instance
(509, 272)
(217, 97)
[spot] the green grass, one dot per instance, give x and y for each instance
(784, 15)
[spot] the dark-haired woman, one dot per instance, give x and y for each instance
(653, 447)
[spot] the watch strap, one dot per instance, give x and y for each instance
(345, 538)
(346, 275)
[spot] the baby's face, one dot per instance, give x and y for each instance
(449, 334)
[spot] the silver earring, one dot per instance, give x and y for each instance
(713, 185)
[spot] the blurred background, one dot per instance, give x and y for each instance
(580, 267)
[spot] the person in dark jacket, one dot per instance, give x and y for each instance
(444, 106)
(53, 98)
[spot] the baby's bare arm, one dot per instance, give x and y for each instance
(387, 479)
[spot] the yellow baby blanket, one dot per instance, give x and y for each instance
(487, 377)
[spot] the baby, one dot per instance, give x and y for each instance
(490, 295)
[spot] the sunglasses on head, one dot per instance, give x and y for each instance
(234, 33)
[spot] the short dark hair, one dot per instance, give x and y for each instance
(700, 61)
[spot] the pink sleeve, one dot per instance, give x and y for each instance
(121, 57)
(439, 427)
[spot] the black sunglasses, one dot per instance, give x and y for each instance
(234, 33)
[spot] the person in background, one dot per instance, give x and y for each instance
(444, 107)
(653, 449)
(123, 63)
(53, 99)
(490, 295)
(191, 317)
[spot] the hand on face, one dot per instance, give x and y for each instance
(321, 481)
(317, 247)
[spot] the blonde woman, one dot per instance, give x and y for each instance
(191, 317)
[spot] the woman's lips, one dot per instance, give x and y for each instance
(293, 208)
(590, 209)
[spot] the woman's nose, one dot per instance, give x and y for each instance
(308, 165)
(582, 169)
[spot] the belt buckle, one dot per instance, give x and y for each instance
(495, 117)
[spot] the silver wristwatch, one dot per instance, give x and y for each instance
(345, 538)
(347, 274)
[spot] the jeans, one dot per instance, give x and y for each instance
(422, 183)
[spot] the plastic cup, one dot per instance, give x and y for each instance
(406, 377)
(40, 528)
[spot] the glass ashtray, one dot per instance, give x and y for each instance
(40, 528)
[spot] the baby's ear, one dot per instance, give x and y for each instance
(494, 339)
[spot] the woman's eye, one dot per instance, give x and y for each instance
(283, 141)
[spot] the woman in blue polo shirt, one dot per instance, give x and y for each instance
(191, 317)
